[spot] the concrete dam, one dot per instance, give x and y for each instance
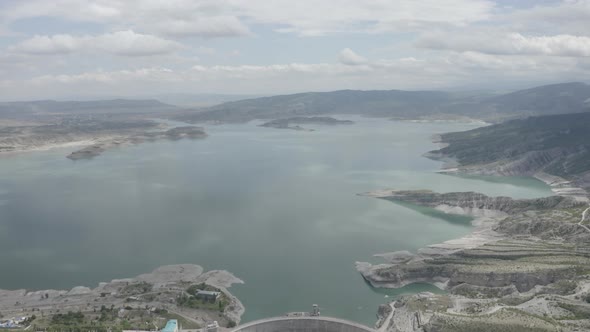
(302, 324)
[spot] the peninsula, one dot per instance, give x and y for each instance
(89, 152)
(183, 292)
(93, 125)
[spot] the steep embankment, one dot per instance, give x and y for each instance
(555, 148)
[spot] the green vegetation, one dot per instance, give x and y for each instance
(577, 311)
(137, 288)
(70, 318)
(191, 301)
(110, 319)
(565, 287)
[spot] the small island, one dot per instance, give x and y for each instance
(295, 122)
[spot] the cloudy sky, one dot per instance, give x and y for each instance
(69, 48)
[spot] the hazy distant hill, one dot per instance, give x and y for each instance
(48, 107)
(550, 99)
(373, 103)
(199, 100)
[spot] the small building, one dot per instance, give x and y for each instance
(171, 326)
(207, 295)
(212, 327)
(315, 310)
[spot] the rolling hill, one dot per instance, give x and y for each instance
(549, 99)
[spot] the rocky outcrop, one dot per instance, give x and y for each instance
(474, 204)
(88, 152)
(383, 314)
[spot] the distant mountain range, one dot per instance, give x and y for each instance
(26, 109)
(543, 100)
(395, 104)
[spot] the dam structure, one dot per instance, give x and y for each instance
(302, 324)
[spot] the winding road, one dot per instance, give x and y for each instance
(584, 214)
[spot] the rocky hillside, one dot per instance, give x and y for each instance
(544, 100)
(557, 145)
(471, 202)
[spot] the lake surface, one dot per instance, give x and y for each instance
(278, 208)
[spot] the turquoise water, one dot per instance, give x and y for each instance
(276, 207)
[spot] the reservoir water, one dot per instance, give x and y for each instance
(278, 208)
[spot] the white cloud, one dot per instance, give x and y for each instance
(349, 57)
(57, 44)
(109, 77)
(562, 17)
(407, 73)
(220, 26)
(507, 43)
(461, 43)
(126, 43)
(221, 18)
(133, 44)
(468, 69)
(310, 17)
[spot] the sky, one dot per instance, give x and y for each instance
(100, 48)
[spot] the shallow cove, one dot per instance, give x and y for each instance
(278, 208)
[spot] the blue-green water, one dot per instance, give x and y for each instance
(276, 207)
